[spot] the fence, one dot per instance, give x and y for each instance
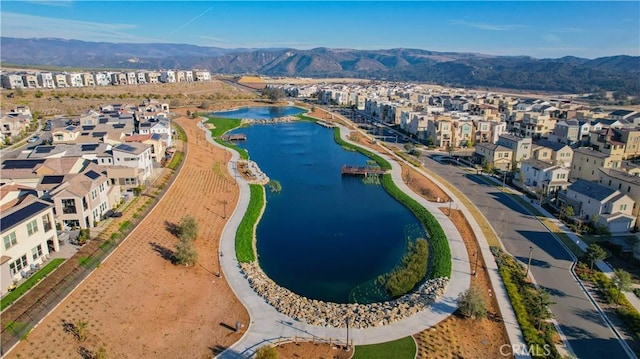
(17, 323)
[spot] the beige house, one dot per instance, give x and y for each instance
(440, 132)
(28, 236)
(81, 201)
(587, 161)
(553, 152)
(152, 139)
(605, 206)
(496, 156)
(626, 180)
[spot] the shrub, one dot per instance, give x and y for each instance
(411, 271)
(472, 304)
(267, 352)
(185, 253)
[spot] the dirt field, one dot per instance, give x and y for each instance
(139, 305)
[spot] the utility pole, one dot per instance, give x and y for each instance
(219, 260)
(224, 209)
(529, 261)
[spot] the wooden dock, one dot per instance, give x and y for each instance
(235, 137)
(361, 170)
(325, 124)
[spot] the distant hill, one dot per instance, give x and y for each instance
(567, 74)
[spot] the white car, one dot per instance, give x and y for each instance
(33, 139)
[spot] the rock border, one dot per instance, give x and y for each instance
(328, 314)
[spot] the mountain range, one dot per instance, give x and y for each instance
(567, 74)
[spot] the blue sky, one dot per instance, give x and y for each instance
(539, 29)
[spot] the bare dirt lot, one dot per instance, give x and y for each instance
(138, 304)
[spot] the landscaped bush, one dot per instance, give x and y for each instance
(437, 238)
(244, 235)
(176, 160)
(411, 271)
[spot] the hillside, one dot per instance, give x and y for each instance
(568, 74)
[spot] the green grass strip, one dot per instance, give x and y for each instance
(222, 126)
(176, 160)
(30, 282)
(379, 160)
(245, 232)
(437, 238)
(404, 348)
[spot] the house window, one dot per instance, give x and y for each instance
(16, 266)
(9, 240)
(46, 223)
(36, 252)
(69, 206)
(32, 227)
(623, 207)
(129, 181)
(629, 189)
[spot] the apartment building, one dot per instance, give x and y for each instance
(30, 81)
(45, 80)
(74, 80)
(12, 81)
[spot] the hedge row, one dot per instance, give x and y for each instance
(437, 238)
(245, 232)
(627, 313)
(517, 288)
(379, 160)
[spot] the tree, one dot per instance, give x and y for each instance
(569, 212)
(541, 308)
(621, 281)
(267, 352)
(185, 253)
(188, 228)
(472, 304)
(187, 231)
(595, 253)
(273, 94)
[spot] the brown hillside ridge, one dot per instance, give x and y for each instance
(137, 304)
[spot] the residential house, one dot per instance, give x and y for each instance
(60, 80)
(159, 125)
(81, 201)
(118, 78)
(493, 156)
(566, 131)
(102, 79)
(152, 77)
(543, 177)
(134, 155)
(28, 236)
(440, 132)
(132, 78)
(587, 161)
(88, 79)
(152, 139)
(30, 81)
(521, 147)
(605, 206)
(12, 81)
(75, 80)
(13, 124)
(607, 141)
(45, 80)
(202, 75)
(168, 76)
(463, 133)
(626, 180)
(553, 152)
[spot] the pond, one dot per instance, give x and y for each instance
(324, 234)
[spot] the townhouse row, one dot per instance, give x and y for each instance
(94, 163)
(51, 80)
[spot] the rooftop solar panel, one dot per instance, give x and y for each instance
(88, 128)
(19, 216)
(118, 125)
(89, 147)
(44, 149)
(20, 164)
(92, 174)
(52, 179)
(98, 134)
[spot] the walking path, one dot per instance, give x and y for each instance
(268, 325)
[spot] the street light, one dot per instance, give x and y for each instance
(475, 267)
(529, 261)
(347, 346)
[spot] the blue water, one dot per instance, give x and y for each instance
(260, 112)
(323, 234)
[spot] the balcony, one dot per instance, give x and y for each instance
(69, 210)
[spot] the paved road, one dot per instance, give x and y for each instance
(584, 328)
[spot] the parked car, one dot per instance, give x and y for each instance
(111, 213)
(33, 139)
